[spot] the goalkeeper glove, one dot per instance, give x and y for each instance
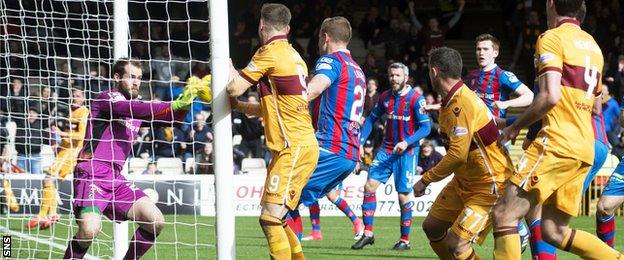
(185, 100)
(204, 90)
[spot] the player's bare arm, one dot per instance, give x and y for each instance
(597, 107)
(548, 96)
(237, 86)
(317, 85)
(525, 97)
(250, 108)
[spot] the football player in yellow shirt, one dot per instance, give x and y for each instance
(280, 72)
(460, 214)
(554, 166)
(71, 144)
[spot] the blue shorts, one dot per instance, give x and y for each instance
(601, 151)
(330, 171)
(402, 165)
(615, 186)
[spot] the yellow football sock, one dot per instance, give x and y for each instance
(587, 246)
(53, 202)
(507, 243)
(296, 252)
(440, 248)
(10, 197)
(468, 255)
(279, 247)
(48, 194)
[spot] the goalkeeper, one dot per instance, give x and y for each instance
(99, 187)
(69, 148)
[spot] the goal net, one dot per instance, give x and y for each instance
(50, 48)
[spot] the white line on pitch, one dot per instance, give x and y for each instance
(39, 240)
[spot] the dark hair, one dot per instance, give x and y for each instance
(448, 62)
(373, 79)
(580, 14)
(275, 15)
(568, 8)
(488, 37)
(119, 67)
(338, 28)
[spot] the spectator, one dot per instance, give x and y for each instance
(525, 49)
(62, 83)
(241, 43)
(98, 81)
(434, 35)
(46, 103)
(368, 156)
(372, 67)
(610, 114)
(429, 157)
(615, 77)
(15, 101)
(168, 142)
(203, 160)
(394, 39)
(143, 144)
(199, 135)
(371, 25)
(200, 69)
(151, 169)
(372, 96)
(28, 141)
(618, 149)
(251, 130)
(433, 106)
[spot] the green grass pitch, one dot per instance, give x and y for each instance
(194, 238)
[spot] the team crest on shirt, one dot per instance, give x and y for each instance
(534, 180)
(292, 193)
(456, 111)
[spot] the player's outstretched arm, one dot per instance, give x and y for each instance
(138, 109)
(246, 107)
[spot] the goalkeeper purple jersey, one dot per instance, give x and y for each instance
(114, 122)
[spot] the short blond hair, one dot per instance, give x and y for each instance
(338, 28)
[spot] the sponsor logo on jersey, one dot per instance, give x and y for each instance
(252, 67)
(460, 131)
(116, 96)
(546, 57)
(323, 66)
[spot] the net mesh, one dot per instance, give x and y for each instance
(48, 49)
